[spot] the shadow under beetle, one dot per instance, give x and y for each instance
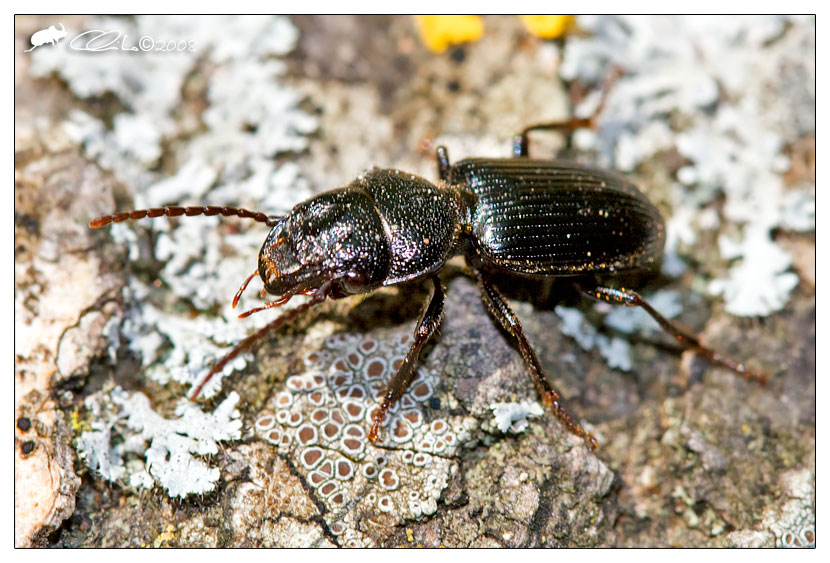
(516, 215)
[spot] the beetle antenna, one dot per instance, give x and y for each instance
(318, 297)
(175, 211)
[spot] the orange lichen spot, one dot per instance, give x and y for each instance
(265, 422)
(389, 479)
(401, 431)
(319, 416)
(311, 457)
(345, 469)
(385, 504)
(438, 426)
(338, 500)
(328, 488)
(440, 31)
(354, 410)
(331, 431)
(422, 391)
(352, 446)
(327, 469)
(354, 360)
(375, 368)
(368, 346)
(306, 434)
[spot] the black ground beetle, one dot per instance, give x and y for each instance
(516, 215)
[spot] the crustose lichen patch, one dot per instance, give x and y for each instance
(320, 420)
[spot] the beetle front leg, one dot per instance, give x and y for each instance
(318, 297)
(428, 325)
(498, 307)
(684, 337)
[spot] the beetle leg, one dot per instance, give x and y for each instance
(498, 307)
(318, 297)
(427, 326)
(684, 337)
(443, 159)
(521, 144)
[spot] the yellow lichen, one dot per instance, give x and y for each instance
(439, 32)
(165, 537)
(548, 27)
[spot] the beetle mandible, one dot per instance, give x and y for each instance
(516, 215)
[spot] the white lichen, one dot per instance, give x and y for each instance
(760, 283)
(512, 417)
(96, 450)
(616, 351)
(228, 158)
(788, 522)
(739, 117)
(633, 319)
(172, 448)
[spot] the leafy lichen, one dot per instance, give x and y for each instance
(176, 446)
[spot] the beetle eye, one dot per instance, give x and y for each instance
(354, 282)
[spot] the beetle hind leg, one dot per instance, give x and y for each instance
(684, 337)
(427, 327)
(521, 143)
(498, 307)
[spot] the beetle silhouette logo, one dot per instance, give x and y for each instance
(49, 35)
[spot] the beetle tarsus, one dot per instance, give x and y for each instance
(684, 337)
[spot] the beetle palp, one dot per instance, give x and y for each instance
(242, 289)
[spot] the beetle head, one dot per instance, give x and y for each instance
(336, 236)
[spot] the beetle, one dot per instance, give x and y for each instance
(522, 216)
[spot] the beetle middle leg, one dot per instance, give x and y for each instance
(685, 338)
(498, 307)
(428, 325)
